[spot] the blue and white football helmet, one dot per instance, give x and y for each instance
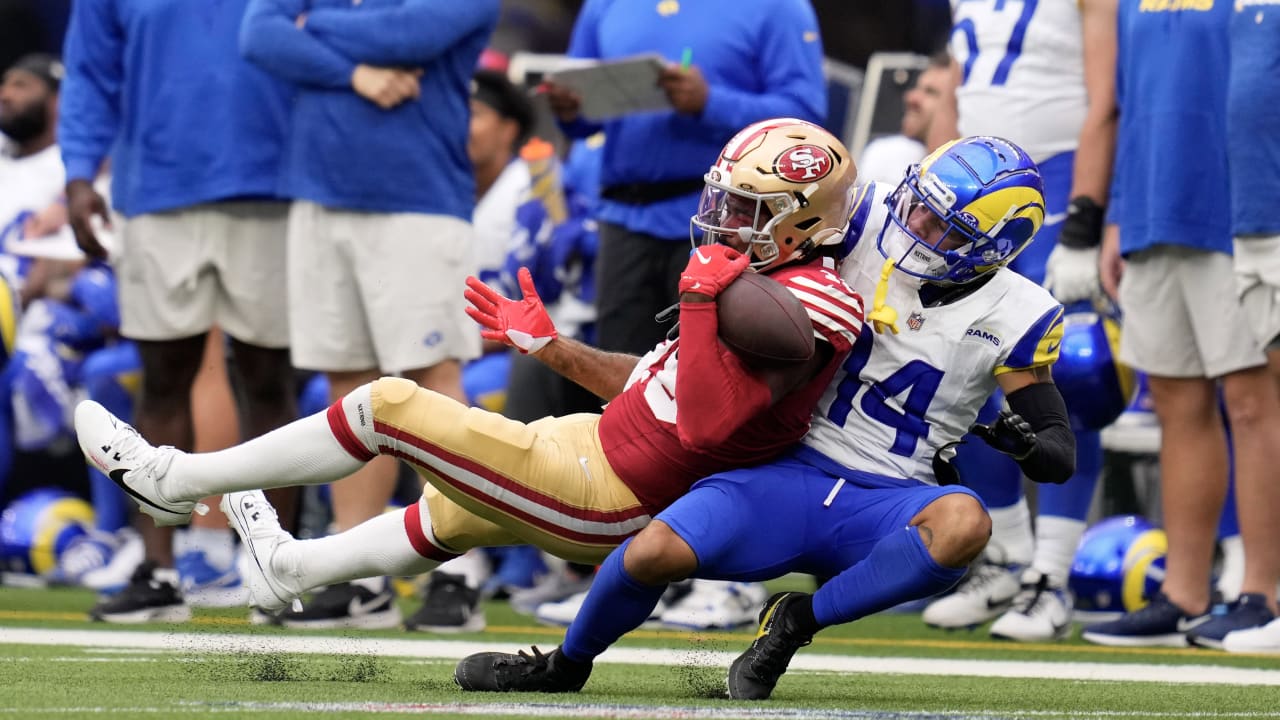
(965, 210)
(1118, 565)
(1094, 383)
(36, 528)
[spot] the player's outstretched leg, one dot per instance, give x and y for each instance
(167, 484)
(522, 672)
(755, 673)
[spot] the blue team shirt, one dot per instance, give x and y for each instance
(1171, 181)
(1253, 117)
(761, 59)
(344, 151)
(161, 87)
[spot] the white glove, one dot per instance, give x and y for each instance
(1071, 274)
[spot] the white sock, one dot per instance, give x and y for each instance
(304, 452)
(216, 544)
(1056, 541)
(1231, 576)
(1011, 534)
(374, 548)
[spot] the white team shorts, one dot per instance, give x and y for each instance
(184, 271)
(1258, 285)
(378, 291)
(1181, 318)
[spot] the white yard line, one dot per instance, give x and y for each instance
(455, 649)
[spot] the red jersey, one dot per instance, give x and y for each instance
(659, 453)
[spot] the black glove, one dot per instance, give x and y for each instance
(1009, 434)
(1082, 227)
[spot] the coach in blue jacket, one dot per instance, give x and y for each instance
(380, 237)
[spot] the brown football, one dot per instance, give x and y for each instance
(763, 322)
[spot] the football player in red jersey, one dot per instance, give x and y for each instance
(778, 200)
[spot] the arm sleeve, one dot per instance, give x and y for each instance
(584, 43)
(271, 39)
(89, 119)
(1053, 460)
(791, 61)
(412, 34)
(715, 392)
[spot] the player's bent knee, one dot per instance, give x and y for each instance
(658, 555)
(958, 528)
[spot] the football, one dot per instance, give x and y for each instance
(763, 322)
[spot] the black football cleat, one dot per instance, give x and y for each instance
(503, 672)
(755, 673)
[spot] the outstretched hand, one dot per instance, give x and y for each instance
(522, 324)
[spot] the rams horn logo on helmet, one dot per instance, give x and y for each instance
(803, 164)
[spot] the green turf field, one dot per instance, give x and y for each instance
(55, 664)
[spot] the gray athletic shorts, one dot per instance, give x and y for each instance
(1258, 285)
(378, 290)
(1182, 317)
(184, 271)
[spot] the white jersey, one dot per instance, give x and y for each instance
(1023, 70)
(899, 398)
(29, 184)
(494, 219)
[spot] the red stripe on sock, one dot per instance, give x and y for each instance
(345, 436)
(418, 538)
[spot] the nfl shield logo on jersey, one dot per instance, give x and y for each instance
(915, 320)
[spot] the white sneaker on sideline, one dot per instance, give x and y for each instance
(1265, 639)
(561, 612)
(717, 604)
(114, 576)
(1040, 611)
(986, 592)
(255, 521)
(131, 462)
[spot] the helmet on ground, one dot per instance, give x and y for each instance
(1118, 565)
(38, 526)
(1093, 381)
(965, 210)
(780, 189)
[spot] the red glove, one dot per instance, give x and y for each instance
(711, 268)
(524, 325)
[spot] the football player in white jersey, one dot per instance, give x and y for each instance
(868, 499)
(1026, 76)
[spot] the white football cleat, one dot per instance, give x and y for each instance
(986, 592)
(1040, 612)
(255, 521)
(131, 462)
(717, 604)
(561, 612)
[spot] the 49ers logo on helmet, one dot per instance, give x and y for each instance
(803, 163)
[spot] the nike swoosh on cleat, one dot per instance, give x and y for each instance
(117, 476)
(1189, 624)
(993, 604)
(355, 608)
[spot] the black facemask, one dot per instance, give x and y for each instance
(26, 124)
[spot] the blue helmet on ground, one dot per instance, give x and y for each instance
(37, 527)
(967, 209)
(1094, 383)
(1118, 565)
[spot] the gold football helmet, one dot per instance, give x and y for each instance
(780, 189)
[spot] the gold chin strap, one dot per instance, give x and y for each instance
(882, 316)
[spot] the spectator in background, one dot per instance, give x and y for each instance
(200, 232)
(1183, 326)
(1253, 158)
(928, 120)
(380, 236)
(731, 63)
